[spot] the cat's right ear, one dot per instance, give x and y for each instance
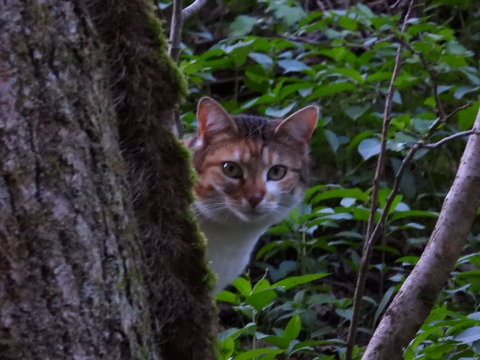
(213, 119)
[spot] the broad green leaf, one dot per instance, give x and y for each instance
(292, 65)
(242, 285)
(386, 298)
(261, 299)
(264, 60)
(331, 89)
(350, 73)
(469, 336)
(242, 25)
(233, 333)
(413, 213)
(226, 348)
(289, 14)
(289, 89)
(332, 139)
(293, 327)
(369, 147)
(265, 353)
(354, 112)
(354, 193)
(279, 113)
(281, 342)
(298, 280)
(462, 90)
(466, 117)
(228, 297)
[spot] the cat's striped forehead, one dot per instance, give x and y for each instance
(255, 138)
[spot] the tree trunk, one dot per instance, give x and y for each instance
(417, 295)
(99, 257)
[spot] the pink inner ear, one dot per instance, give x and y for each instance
(213, 118)
(301, 124)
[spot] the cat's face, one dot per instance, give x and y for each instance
(249, 168)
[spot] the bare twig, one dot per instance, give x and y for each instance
(449, 138)
(394, 6)
(369, 238)
(178, 19)
(192, 9)
(176, 26)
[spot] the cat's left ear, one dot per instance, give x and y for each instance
(300, 125)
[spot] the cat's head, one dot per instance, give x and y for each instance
(249, 168)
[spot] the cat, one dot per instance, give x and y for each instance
(251, 172)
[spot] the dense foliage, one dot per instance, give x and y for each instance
(272, 56)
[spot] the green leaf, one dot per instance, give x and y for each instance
(289, 89)
(252, 354)
(298, 280)
(242, 285)
(332, 139)
(234, 333)
(261, 299)
(331, 89)
(469, 336)
(226, 348)
(292, 66)
(354, 193)
(466, 117)
(369, 147)
(242, 25)
(350, 73)
(354, 112)
(264, 60)
(462, 90)
(293, 327)
(228, 297)
(279, 113)
(386, 298)
(288, 14)
(347, 23)
(281, 342)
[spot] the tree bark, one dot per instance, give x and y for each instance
(99, 256)
(416, 297)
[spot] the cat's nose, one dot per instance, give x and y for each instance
(254, 199)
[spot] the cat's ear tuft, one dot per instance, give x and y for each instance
(300, 125)
(213, 118)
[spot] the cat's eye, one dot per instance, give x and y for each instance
(232, 170)
(276, 172)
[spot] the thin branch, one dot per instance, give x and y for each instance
(448, 138)
(176, 27)
(192, 9)
(178, 19)
(368, 246)
(394, 6)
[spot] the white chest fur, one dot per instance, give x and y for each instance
(229, 246)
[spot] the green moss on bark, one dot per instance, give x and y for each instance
(147, 85)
